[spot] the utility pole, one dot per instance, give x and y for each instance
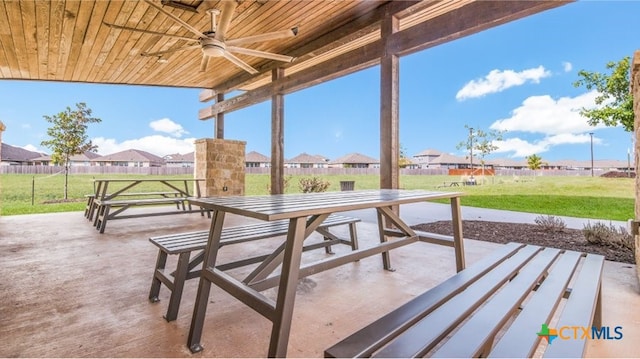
(471, 149)
(591, 134)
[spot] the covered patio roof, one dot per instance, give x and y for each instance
(72, 41)
(134, 43)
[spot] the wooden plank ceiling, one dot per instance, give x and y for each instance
(69, 41)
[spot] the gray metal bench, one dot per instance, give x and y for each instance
(185, 243)
(104, 207)
(91, 206)
(512, 291)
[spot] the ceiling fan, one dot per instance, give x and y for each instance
(213, 43)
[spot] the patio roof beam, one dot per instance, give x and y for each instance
(464, 21)
(349, 32)
(345, 64)
(467, 20)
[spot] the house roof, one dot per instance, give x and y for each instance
(254, 156)
(355, 158)
(508, 162)
(17, 154)
(429, 152)
(83, 157)
(307, 158)
(130, 155)
(446, 158)
(177, 157)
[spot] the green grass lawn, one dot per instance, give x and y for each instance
(586, 197)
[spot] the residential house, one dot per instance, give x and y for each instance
(355, 160)
(304, 160)
(12, 155)
(445, 160)
(509, 163)
(130, 158)
(256, 159)
(424, 158)
(179, 160)
(83, 159)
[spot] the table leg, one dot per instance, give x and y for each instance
(204, 286)
(458, 243)
(382, 224)
(287, 289)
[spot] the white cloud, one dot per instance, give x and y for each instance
(558, 121)
(523, 148)
(567, 66)
(156, 144)
(519, 147)
(499, 80)
(542, 114)
(25, 126)
(167, 126)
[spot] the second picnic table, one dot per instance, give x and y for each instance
(129, 193)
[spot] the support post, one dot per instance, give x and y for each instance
(220, 119)
(635, 88)
(277, 137)
(389, 108)
(2, 128)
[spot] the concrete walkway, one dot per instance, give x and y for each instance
(416, 213)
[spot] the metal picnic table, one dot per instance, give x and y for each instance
(305, 213)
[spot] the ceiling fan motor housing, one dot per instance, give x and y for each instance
(212, 47)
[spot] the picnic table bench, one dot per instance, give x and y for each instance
(92, 205)
(102, 202)
(464, 182)
(514, 290)
(451, 184)
(183, 244)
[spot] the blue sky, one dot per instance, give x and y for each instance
(516, 77)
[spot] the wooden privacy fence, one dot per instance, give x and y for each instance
(161, 171)
(167, 171)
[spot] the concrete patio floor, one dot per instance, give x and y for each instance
(68, 291)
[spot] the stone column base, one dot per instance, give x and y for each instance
(221, 163)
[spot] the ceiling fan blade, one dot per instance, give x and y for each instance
(158, 53)
(204, 63)
(114, 26)
(258, 53)
(228, 8)
(176, 19)
(240, 63)
(282, 34)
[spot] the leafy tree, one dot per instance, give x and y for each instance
(482, 142)
(485, 144)
(615, 101)
(404, 160)
(534, 162)
(68, 136)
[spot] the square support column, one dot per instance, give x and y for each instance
(389, 109)
(2, 128)
(635, 90)
(222, 164)
(277, 137)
